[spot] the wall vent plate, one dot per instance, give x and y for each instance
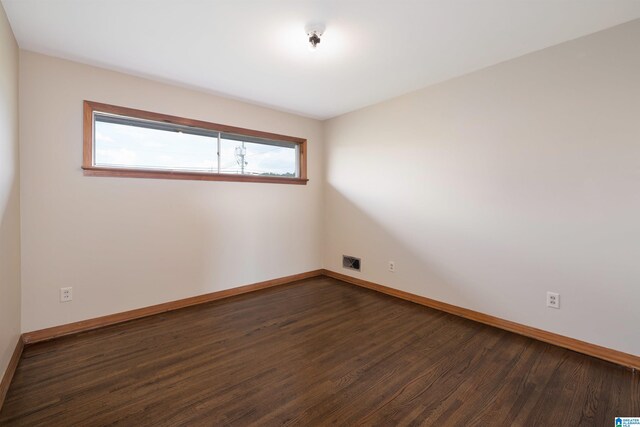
(350, 262)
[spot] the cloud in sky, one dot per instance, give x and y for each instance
(129, 146)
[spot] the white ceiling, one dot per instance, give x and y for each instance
(256, 50)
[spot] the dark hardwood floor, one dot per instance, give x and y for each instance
(313, 353)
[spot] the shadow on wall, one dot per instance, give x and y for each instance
(9, 273)
(352, 231)
(10, 236)
(477, 262)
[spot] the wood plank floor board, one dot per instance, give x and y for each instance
(317, 352)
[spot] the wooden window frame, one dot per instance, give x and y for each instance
(90, 170)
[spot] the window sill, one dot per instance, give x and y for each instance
(195, 176)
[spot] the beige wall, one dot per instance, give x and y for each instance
(124, 243)
(9, 195)
(491, 189)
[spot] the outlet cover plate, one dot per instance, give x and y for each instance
(66, 294)
(553, 300)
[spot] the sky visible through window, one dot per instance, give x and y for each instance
(119, 145)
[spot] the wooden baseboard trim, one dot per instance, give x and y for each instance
(11, 370)
(112, 319)
(615, 356)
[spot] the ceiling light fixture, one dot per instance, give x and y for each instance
(314, 32)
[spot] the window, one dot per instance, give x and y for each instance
(125, 142)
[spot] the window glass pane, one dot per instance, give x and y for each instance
(249, 158)
(135, 143)
(130, 146)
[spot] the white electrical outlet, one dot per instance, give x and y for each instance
(66, 294)
(392, 266)
(553, 300)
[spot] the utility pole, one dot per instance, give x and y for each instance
(241, 152)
